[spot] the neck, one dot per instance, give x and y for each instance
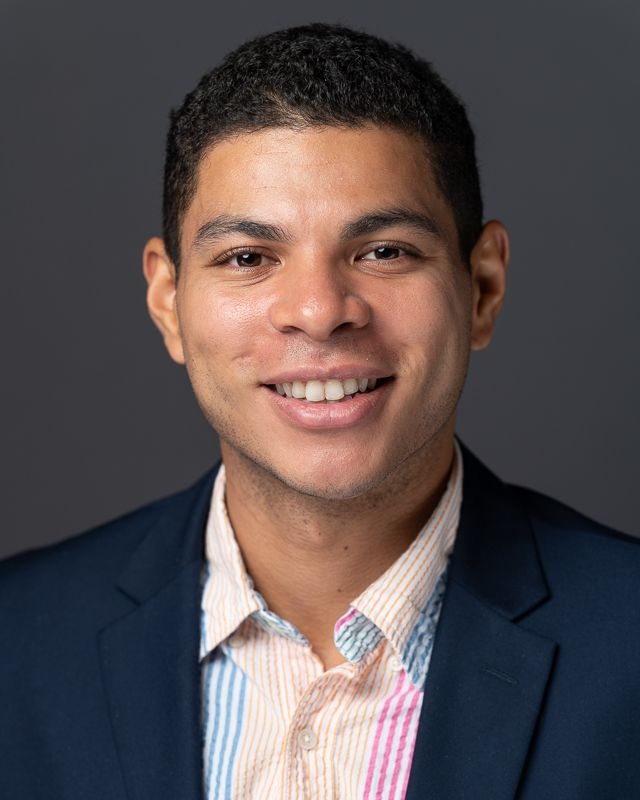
(309, 557)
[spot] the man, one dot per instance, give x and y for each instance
(351, 605)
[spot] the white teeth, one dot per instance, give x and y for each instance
(298, 389)
(315, 391)
(332, 390)
(350, 386)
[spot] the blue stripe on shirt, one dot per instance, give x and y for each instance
(226, 722)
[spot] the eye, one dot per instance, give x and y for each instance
(243, 259)
(246, 260)
(383, 253)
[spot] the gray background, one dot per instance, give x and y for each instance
(95, 418)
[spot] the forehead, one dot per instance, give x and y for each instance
(314, 177)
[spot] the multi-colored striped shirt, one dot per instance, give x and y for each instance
(275, 723)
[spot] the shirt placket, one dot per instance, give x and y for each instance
(310, 746)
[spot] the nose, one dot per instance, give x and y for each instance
(318, 300)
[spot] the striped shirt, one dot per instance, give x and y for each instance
(275, 723)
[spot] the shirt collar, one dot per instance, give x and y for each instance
(402, 605)
(228, 596)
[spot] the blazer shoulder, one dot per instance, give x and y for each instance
(547, 510)
(570, 543)
(100, 550)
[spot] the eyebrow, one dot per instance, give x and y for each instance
(225, 224)
(386, 218)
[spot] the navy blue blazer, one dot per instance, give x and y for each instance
(533, 690)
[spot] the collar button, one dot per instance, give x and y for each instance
(395, 664)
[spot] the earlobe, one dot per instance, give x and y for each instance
(489, 260)
(160, 275)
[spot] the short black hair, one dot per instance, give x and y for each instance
(319, 75)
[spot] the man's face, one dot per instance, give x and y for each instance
(315, 262)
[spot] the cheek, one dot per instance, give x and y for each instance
(220, 329)
(431, 323)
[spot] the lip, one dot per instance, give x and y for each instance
(357, 410)
(316, 373)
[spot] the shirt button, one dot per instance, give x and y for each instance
(396, 664)
(307, 739)
(235, 641)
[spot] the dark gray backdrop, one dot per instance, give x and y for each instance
(96, 420)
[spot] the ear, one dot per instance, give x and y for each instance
(489, 260)
(161, 277)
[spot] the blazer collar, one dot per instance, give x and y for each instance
(488, 675)
(174, 540)
(149, 657)
(495, 557)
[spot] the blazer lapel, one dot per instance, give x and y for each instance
(488, 674)
(150, 656)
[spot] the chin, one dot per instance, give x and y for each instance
(334, 490)
(333, 481)
(330, 473)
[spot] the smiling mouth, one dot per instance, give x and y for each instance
(329, 391)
